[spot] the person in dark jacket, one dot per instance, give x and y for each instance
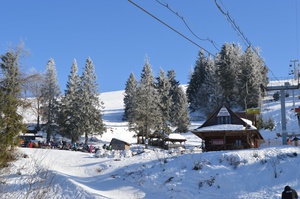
(289, 193)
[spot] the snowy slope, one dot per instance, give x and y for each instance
(156, 173)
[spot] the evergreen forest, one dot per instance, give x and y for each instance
(231, 77)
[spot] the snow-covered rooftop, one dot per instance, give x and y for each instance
(220, 127)
(176, 136)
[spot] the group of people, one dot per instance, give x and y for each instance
(37, 144)
(58, 145)
(77, 147)
(107, 147)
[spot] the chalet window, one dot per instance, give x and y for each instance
(224, 120)
(238, 143)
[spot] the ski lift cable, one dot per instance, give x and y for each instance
(170, 27)
(186, 24)
(240, 33)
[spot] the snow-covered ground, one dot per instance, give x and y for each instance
(156, 173)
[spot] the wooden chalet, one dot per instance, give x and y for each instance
(117, 144)
(31, 129)
(174, 140)
(157, 139)
(225, 130)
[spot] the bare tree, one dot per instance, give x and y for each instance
(33, 89)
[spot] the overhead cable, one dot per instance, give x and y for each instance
(235, 27)
(186, 24)
(170, 27)
(240, 33)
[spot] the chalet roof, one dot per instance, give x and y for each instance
(218, 127)
(176, 136)
(237, 123)
(115, 140)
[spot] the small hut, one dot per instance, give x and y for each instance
(157, 139)
(225, 130)
(117, 144)
(31, 129)
(174, 140)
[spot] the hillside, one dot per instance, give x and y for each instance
(156, 173)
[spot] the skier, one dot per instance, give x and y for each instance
(64, 144)
(75, 146)
(289, 193)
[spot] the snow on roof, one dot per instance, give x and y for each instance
(30, 128)
(229, 127)
(176, 136)
(249, 122)
(27, 134)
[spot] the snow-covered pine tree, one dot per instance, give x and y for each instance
(261, 71)
(253, 75)
(182, 119)
(232, 78)
(197, 79)
(249, 92)
(129, 100)
(147, 109)
(70, 120)
(91, 107)
(210, 89)
(49, 99)
(163, 87)
(179, 115)
(228, 65)
(10, 89)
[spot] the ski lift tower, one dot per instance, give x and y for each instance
(282, 86)
(294, 72)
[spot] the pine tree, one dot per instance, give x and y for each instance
(179, 115)
(210, 89)
(232, 78)
(50, 103)
(248, 80)
(147, 110)
(195, 83)
(182, 119)
(129, 100)
(70, 107)
(228, 65)
(163, 87)
(10, 89)
(253, 76)
(261, 71)
(91, 106)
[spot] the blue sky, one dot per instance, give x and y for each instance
(118, 36)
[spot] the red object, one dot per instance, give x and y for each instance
(297, 110)
(91, 148)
